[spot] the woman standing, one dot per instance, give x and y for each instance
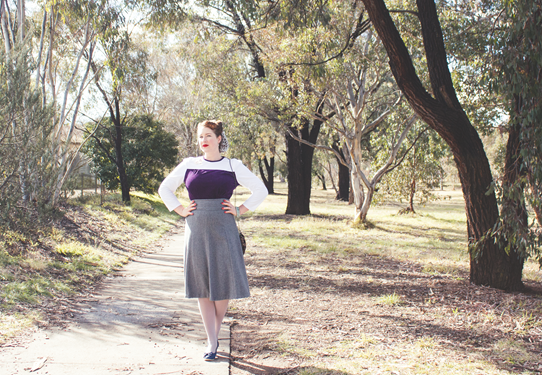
(214, 267)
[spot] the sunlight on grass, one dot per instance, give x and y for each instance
(422, 356)
(62, 263)
(389, 299)
(12, 325)
(71, 249)
(31, 290)
(435, 235)
(513, 351)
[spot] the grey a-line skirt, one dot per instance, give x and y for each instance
(214, 267)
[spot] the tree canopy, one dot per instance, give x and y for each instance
(148, 152)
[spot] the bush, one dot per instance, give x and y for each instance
(27, 166)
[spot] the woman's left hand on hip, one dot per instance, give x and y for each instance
(228, 207)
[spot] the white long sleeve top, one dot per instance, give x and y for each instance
(206, 179)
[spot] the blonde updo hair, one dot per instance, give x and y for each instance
(217, 128)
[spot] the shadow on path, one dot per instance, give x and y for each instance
(137, 322)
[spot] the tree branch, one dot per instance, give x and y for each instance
(361, 27)
(384, 169)
(405, 11)
(408, 150)
(319, 147)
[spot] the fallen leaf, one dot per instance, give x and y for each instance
(38, 364)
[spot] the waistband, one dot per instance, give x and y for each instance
(209, 204)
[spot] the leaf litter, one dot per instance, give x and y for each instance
(337, 315)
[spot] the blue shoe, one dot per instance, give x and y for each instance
(209, 356)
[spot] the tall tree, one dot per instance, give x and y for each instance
(148, 150)
(440, 109)
(124, 68)
(519, 80)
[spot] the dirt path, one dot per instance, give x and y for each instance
(137, 323)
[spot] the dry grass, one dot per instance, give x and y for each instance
(42, 269)
(328, 298)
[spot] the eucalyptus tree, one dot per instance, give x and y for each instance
(306, 37)
(121, 74)
(362, 100)
(439, 107)
(70, 32)
(26, 131)
(518, 79)
(64, 46)
(418, 170)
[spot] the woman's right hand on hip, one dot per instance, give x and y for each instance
(186, 211)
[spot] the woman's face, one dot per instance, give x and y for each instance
(207, 140)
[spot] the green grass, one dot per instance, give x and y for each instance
(50, 262)
(389, 299)
(435, 235)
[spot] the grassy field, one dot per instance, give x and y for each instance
(329, 298)
(435, 236)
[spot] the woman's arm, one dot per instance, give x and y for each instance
(249, 180)
(170, 184)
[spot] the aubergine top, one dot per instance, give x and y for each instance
(206, 179)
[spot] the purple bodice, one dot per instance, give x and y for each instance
(210, 184)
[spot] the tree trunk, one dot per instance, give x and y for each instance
(366, 205)
(351, 194)
(411, 197)
(267, 175)
(344, 177)
(490, 265)
(298, 201)
(124, 183)
(344, 183)
(322, 179)
(359, 195)
(329, 171)
(299, 160)
(21, 19)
